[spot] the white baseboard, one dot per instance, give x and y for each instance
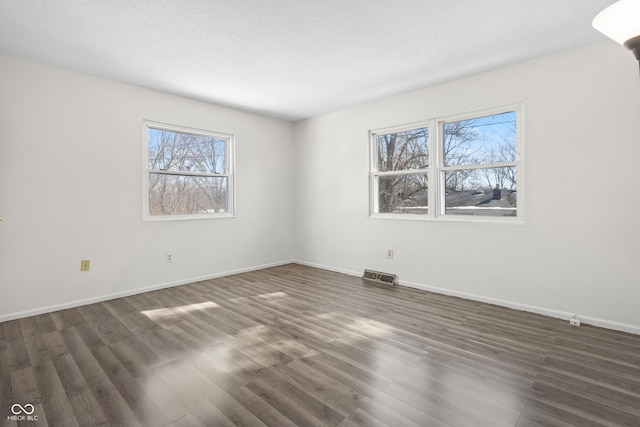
(326, 267)
(564, 315)
(101, 298)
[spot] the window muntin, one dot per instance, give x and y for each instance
(188, 172)
(469, 169)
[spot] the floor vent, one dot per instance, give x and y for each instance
(379, 278)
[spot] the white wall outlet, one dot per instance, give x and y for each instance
(574, 321)
(390, 253)
(169, 257)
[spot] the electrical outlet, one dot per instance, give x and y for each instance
(169, 257)
(85, 265)
(390, 253)
(574, 321)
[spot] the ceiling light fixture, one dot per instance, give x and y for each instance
(621, 22)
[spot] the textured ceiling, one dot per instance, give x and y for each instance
(291, 58)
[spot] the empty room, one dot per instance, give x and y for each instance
(319, 213)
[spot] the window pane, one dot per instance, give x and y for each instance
(403, 150)
(175, 151)
(488, 192)
(401, 194)
(482, 140)
(182, 195)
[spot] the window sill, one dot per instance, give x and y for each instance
(161, 218)
(450, 218)
(401, 217)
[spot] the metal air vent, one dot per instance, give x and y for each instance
(378, 277)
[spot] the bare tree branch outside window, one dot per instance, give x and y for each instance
(401, 152)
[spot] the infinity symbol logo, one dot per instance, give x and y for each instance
(28, 409)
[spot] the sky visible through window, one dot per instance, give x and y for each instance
(482, 140)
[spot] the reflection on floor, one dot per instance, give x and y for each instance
(298, 346)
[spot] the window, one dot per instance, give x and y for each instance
(188, 172)
(400, 178)
(474, 171)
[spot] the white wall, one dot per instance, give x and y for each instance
(71, 189)
(579, 249)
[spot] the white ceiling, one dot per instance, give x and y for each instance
(291, 59)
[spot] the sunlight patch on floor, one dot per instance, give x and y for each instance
(267, 296)
(172, 312)
(359, 324)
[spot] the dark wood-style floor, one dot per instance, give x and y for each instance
(298, 346)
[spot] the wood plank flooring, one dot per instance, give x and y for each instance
(298, 346)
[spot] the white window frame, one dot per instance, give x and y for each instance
(436, 170)
(375, 174)
(229, 173)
